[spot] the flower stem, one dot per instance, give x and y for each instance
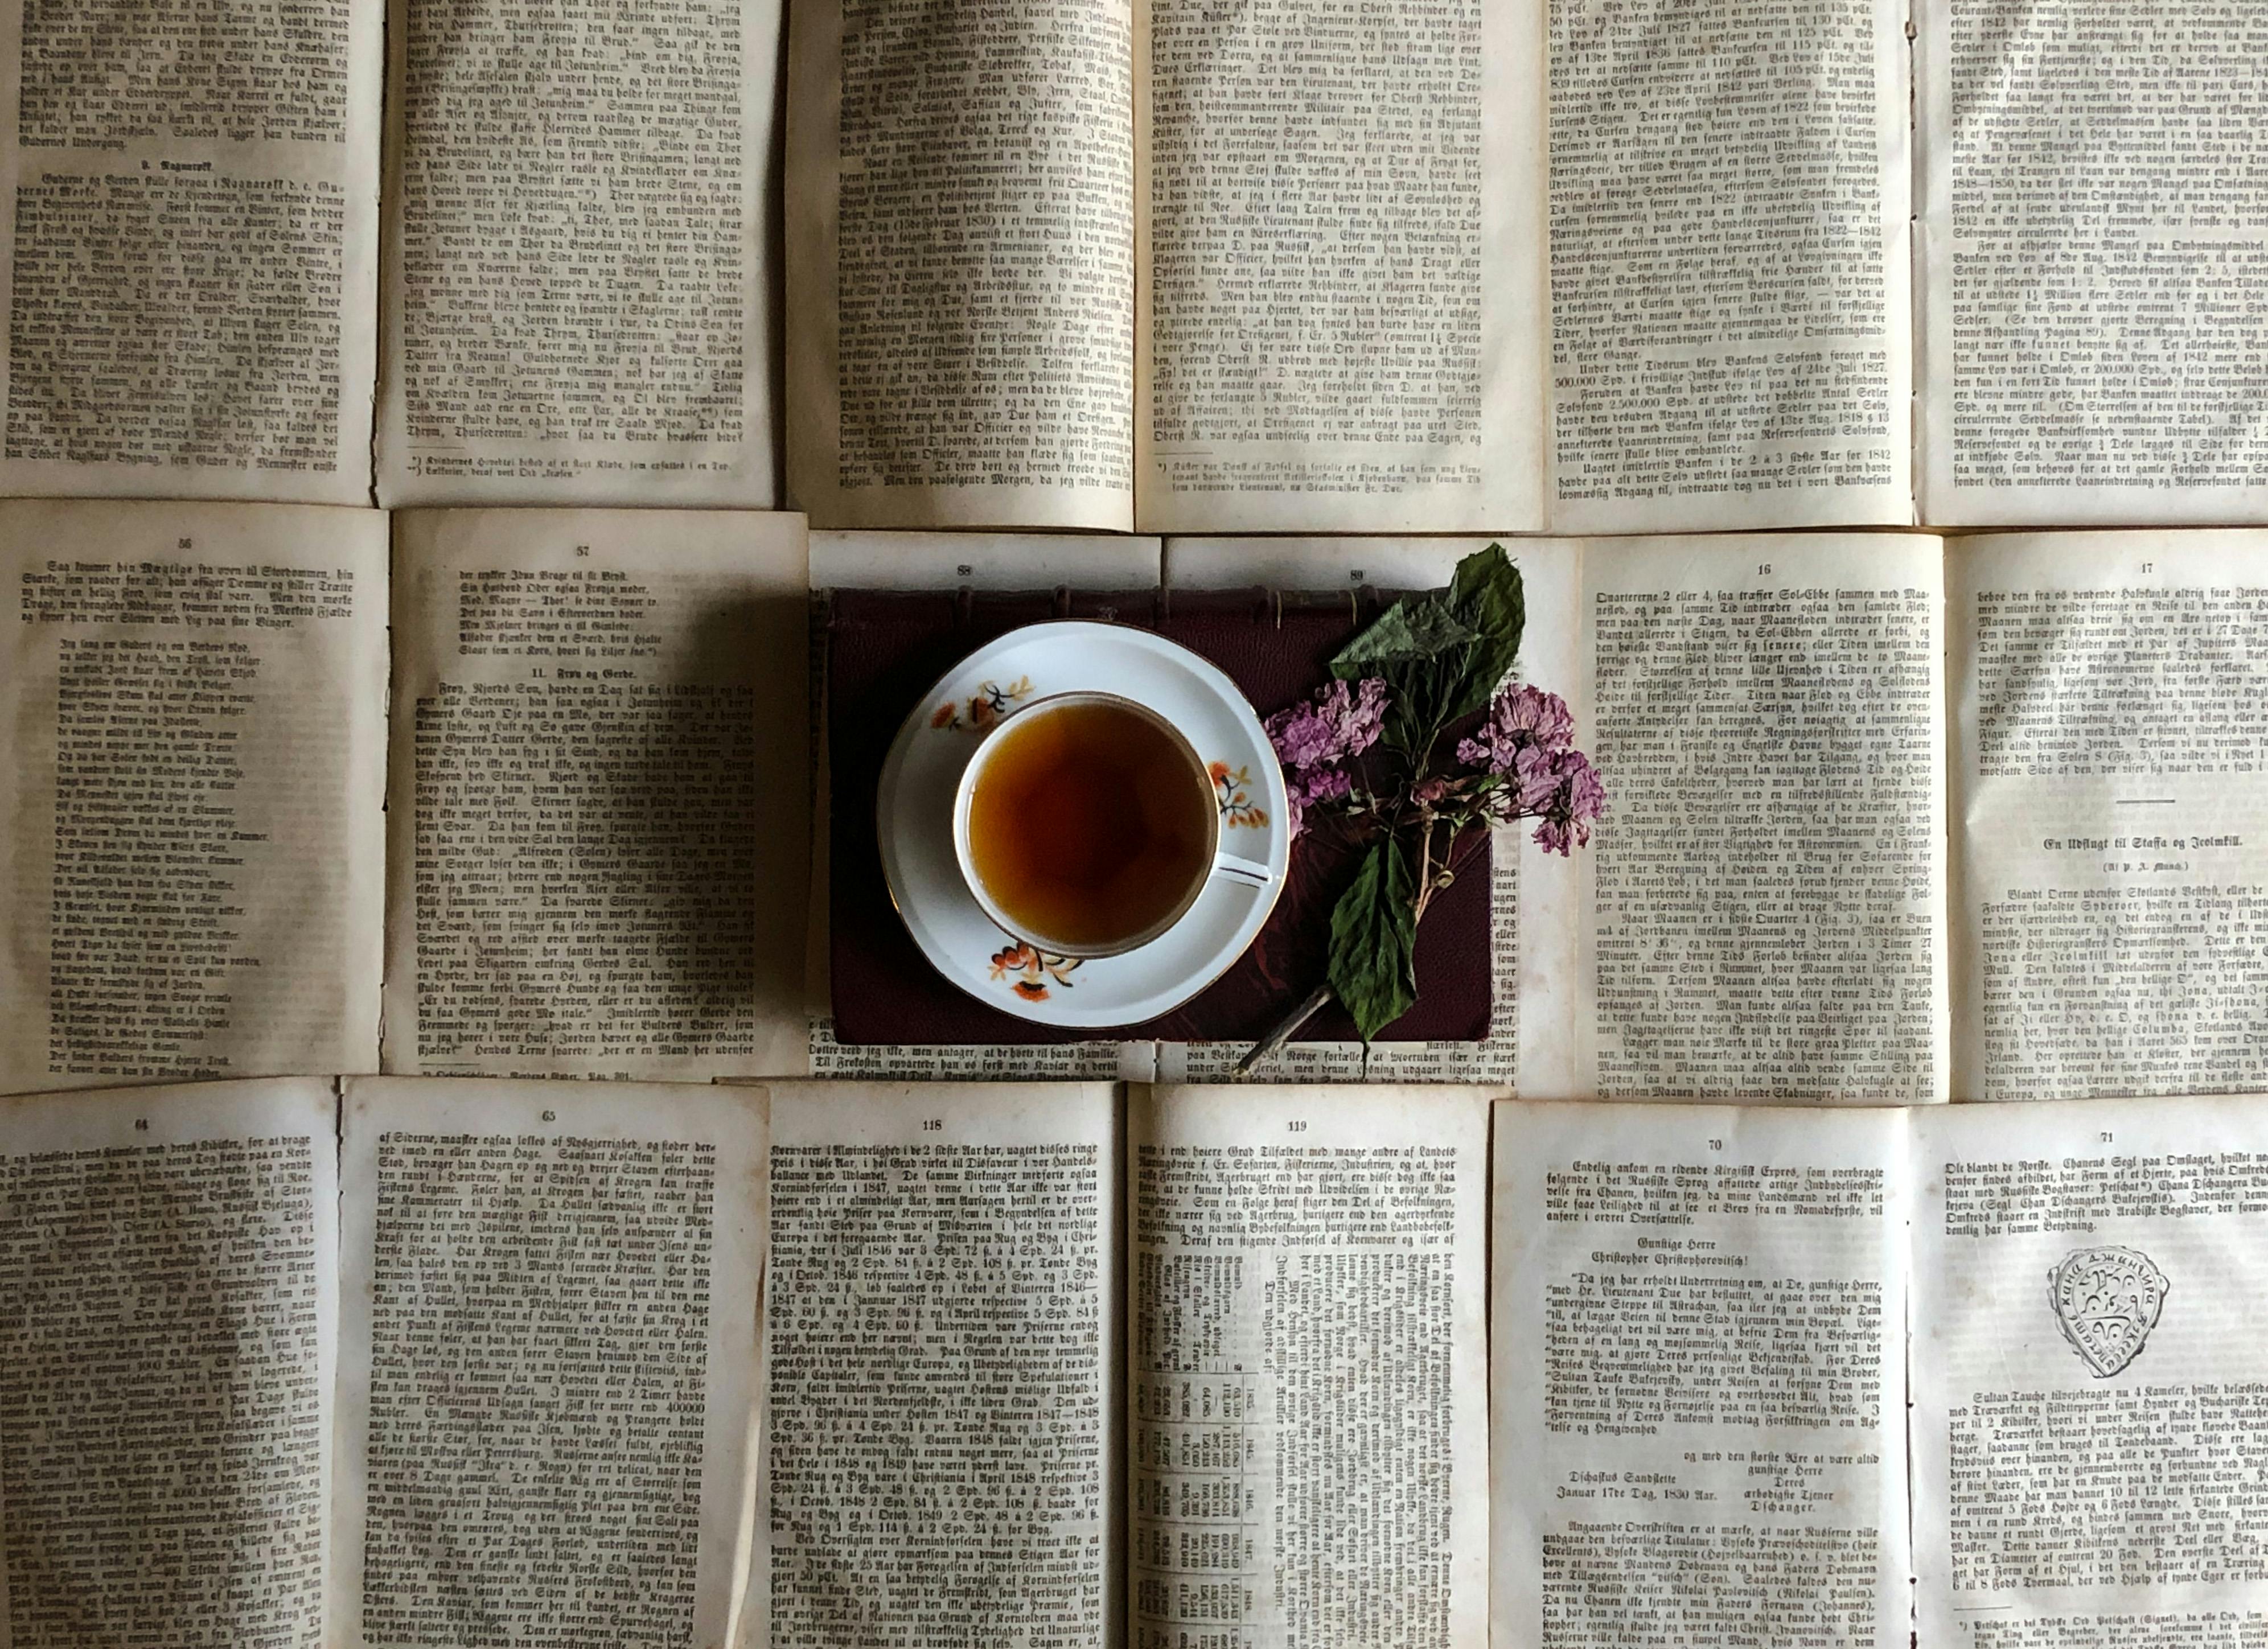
(1284, 1030)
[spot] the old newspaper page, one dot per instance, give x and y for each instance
(960, 265)
(1767, 913)
(2094, 234)
(1698, 1345)
(190, 279)
(192, 779)
(2111, 777)
(1307, 1366)
(941, 1318)
(581, 259)
(1340, 320)
(597, 831)
(2089, 1414)
(1730, 250)
(169, 1257)
(547, 1367)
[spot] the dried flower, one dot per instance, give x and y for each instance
(1567, 808)
(1519, 718)
(1311, 740)
(1335, 725)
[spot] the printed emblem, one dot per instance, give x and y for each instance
(2107, 1301)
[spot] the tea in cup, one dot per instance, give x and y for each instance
(1086, 826)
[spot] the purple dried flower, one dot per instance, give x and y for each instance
(1519, 718)
(1304, 789)
(1567, 810)
(1335, 725)
(1312, 739)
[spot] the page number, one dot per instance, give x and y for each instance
(582, 549)
(1716, 1144)
(932, 1125)
(184, 543)
(1297, 1125)
(2106, 1136)
(551, 1116)
(140, 1124)
(1764, 569)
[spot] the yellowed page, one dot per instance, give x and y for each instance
(1340, 316)
(192, 775)
(2111, 813)
(943, 1398)
(190, 274)
(2093, 234)
(170, 1261)
(960, 265)
(1768, 913)
(1698, 1377)
(580, 264)
(1538, 899)
(1307, 1365)
(598, 805)
(2087, 1405)
(1731, 337)
(547, 1367)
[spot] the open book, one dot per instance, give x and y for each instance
(567, 837)
(1892, 817)
(845, 1364)
(1583, 266)
(579, 279)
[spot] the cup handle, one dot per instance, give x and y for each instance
(1249, 872)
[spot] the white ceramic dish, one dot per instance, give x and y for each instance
(921, 773)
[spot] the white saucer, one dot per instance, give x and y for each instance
(914, 817)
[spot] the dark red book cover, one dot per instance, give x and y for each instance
(886, 648)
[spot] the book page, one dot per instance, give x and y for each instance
(191, 275)
(1538, 899)
(1340, 322)
(2111, 797)
(1696, 1411)
(169, 1258)
(1730, 255)
(580, 262)
(2093, 226)
(192, 781)
(547, 1380)
(1307, 1366)
(597, 851)
(2089, 1422)
(960, 265)
(943, 1397)
(1767, 916)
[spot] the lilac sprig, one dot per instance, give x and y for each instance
(1315, 740)
(1520, 762)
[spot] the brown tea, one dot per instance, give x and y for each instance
(1089, 824)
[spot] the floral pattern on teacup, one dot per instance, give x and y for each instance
(986, 705)
(1232, 790)
(1034, 965)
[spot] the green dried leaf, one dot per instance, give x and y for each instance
(1416, 630)
(1374, 940)
(1488, 596)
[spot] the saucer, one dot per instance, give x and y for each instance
(914, 820)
